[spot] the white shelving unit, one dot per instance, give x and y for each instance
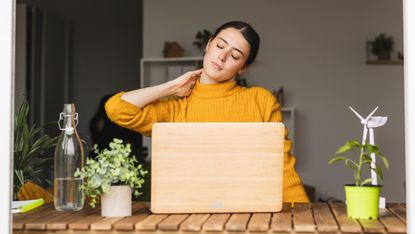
(154, 71)
(288, 116)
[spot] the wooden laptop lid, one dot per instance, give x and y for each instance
(217, 167)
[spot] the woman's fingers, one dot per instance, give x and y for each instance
(186, 82)
(195, 74)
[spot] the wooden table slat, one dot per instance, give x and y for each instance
(216, 222)
(282, 221)
(259, 222)
(41, 222)
(303, 218)
(346, 224)
(323, 217)
(403, 205)
(128, 223)
(62, 223)
(85, 223)
(105, 223)
(136, 206)
(371, 226)
(194, 222)
(150, 223)
(398, 210)
(172, 222)
(20, 219)
(392, 223)
(237, 222)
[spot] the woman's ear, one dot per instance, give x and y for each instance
(243, 70)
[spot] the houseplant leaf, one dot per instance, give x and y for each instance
(28, 159)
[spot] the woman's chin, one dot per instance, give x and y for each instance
(214, 76)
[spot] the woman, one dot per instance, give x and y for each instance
(210, 95)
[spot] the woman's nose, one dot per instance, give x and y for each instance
(222, 56)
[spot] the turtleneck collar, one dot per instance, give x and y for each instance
(215, 90)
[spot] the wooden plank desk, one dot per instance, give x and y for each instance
(301, 218)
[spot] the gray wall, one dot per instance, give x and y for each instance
(316, 50)
(20, 75)
(105, 49)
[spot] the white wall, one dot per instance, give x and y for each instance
(409, 83)
(7, 43)
(316, 50)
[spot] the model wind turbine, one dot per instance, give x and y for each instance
(369, 123)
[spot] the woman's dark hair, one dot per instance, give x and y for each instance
(250, 35)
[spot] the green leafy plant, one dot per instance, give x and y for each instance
(382, 46)
(29, 161)
(202, 38)
(364, 160)
(113, 166)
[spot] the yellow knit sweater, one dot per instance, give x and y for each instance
(223, 102)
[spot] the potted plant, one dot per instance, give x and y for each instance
(362, 198)
(29, 158)
(382, 46)
(113, 175)
(202, 38)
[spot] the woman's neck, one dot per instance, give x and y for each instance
(215, 90)
(205, 79)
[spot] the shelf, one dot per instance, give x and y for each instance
(384, 62)
(154, 71)
(287, 109)
(178, 59)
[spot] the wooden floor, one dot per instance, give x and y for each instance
(301, 218)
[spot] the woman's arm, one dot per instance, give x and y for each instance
(138, 110)
(181, 87)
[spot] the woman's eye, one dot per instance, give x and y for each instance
(235, 57)
(220, 46)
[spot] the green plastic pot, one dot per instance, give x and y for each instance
(362, 201)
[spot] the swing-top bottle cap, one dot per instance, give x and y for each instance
(69, 109)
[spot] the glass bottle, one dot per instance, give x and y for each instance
(69, 155)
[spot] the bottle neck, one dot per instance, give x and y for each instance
(70, 120)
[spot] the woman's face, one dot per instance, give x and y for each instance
(225, 56)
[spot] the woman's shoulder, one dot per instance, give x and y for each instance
(260, 93)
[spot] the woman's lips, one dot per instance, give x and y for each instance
(217, 66)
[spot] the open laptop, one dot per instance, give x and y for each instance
(217, 167)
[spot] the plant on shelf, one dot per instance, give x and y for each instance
(29, 158)
(202, 38)
(362, 198)
(382, 46)
(113, 175)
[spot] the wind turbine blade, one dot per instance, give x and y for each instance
(370, 115)
(376, 121)
(355, 112)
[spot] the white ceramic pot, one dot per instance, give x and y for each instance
(117, 202)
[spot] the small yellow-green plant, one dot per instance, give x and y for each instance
(364, 160)
(113, 166)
